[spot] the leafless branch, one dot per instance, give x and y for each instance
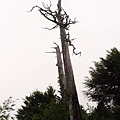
(59, 17)
(51, 28)
(47, 6)
(47, 13)
(57, 46)
(51, 52)
(70, 44)
(74, 48)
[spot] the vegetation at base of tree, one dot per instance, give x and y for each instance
(43, 106)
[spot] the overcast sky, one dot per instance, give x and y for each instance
(24, 64)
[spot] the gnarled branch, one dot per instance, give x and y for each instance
(59, 17)
(70, 44)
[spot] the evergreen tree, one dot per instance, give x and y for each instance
(43, 106)
(104, 81)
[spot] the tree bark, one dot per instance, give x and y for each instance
(62, 79)
(74, 107)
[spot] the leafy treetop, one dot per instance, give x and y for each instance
(104, 81)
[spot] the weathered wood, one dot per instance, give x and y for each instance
(61, 73)
(74, 107)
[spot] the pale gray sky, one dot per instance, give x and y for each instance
(24, 64)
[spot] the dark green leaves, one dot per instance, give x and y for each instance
(6, 109)
(43, 106)
(104, 82)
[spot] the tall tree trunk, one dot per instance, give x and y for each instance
(62, 79)
(74, 107)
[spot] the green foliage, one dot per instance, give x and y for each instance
(6, 109)
(43, 106)
(104, 87)
(84, 113)
(116, 112)
(100, 113)
(56, 111)
(104, 82)
(35, 104)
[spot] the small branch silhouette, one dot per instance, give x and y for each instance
(70, 44)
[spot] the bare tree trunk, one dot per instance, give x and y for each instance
(61, 73)
(74, 106)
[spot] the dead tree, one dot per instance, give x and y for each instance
(61, 73)
(62, 20)
(62, 79)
